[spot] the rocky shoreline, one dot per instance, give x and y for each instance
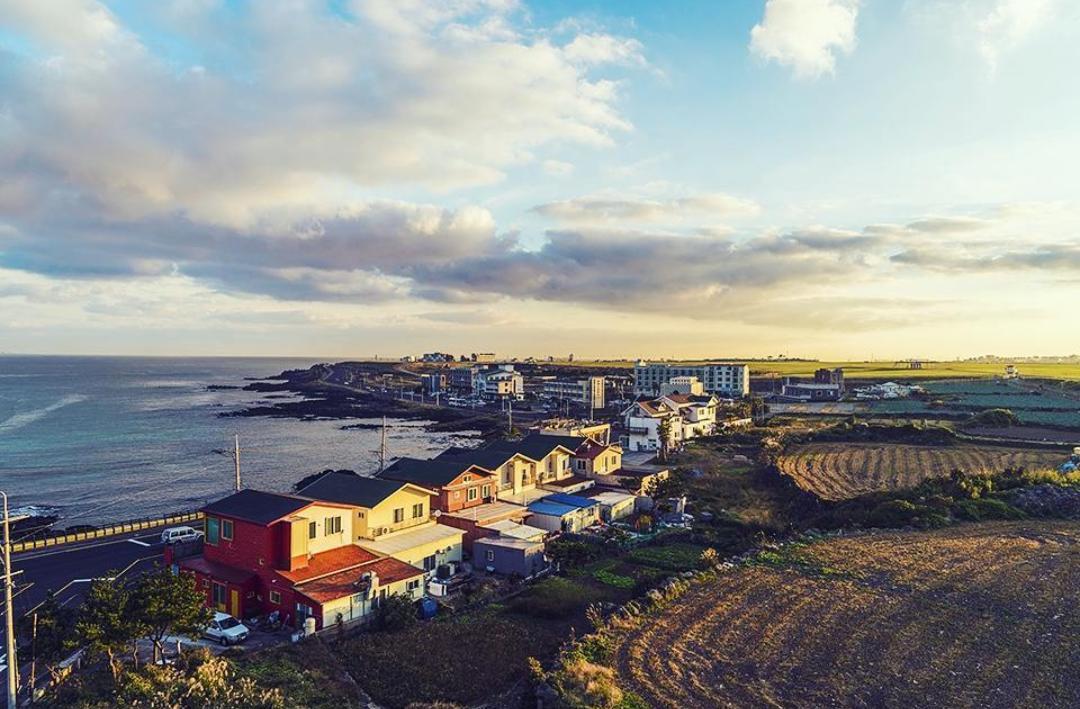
(322, 401)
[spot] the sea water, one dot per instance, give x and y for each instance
(96, 439)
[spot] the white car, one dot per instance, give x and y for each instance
(172, 535)
(226, 629)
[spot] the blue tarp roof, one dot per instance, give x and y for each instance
(543, 507)
(571, 500)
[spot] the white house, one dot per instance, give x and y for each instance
(690, 415)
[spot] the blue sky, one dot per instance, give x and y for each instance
(831, 178)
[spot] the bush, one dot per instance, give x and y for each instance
(995, 418)
(894, 513)
(570, 553)
(395, 613)
(984, 508)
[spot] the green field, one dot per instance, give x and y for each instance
(878, 370)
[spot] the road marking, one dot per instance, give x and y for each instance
(136, 541)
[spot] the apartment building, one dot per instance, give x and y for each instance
(586, 392)
(723, 379)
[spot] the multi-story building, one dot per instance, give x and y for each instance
(723, 379)
(483, 357)
(498, 382)
(827, 385)
(456, 482)
(599, 432)
(586, 392)
(434, 383)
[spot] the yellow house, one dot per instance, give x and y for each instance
(381, 506)
(596, 460)
(391, 518)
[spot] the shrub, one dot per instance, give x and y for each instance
(395, 613)
(995, 418)
(569, 553)
(982, 509)
(893, 513)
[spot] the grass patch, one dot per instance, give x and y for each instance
(795, 556)
(555, 598)
(670, 557)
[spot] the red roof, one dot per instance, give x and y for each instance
(591, 449)
(329, 562)
(339, 585)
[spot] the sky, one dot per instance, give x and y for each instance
(840, 179)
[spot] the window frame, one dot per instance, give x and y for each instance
(278, 594)
(227, 524)
(399, 515)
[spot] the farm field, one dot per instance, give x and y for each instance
(969, 616)
(871, 370)
(840, 471)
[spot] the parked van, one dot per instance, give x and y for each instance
(172, 535)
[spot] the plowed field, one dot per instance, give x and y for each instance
(970, 616)
(839, 471)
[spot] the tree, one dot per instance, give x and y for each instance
(107, 622)
(568, 553)
(169, 604)
(51, 628)
(663, 432)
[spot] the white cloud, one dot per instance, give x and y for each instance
(311, 112)
(1008, 24)
(630, 209)
(558, 168)
(806, 35)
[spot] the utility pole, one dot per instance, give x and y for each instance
(33, 656)
(236, 459)
(9, 615)
(382, 447)
(510, 416)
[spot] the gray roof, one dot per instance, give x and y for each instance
(427, 473)
(351, 489)
(257, 506)
(538, 445)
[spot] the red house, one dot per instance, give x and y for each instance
(266, 552)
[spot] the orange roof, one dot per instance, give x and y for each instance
(341, 584)
(329, 562)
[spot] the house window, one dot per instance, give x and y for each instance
(213, 530)
(429, 563)
(581, 465)
(312, 530)
(331, 525)
(412, 585)
(468, 478)
(471, 494)
(490, 555)
(399, 515)
(219, 594)
(227, 529)
(486, 491)
(275, 597)
(418, 510)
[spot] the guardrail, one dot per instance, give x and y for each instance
(109, 531)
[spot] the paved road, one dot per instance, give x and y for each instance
(68, 569)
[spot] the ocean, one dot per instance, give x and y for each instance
(98, 439)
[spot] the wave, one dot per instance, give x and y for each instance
(28, 417)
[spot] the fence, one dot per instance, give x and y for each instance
(111, 530)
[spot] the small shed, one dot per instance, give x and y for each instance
(564, 513)
(615, 505)
(507, 555)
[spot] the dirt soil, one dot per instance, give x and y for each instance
(840, 471)
(971, 616)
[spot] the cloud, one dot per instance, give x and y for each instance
(806, 35)
(291, 109)
(1008, 24)
(1044, 258)
(558, 168)
(600, 210)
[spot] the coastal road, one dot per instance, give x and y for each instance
(68, 569)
